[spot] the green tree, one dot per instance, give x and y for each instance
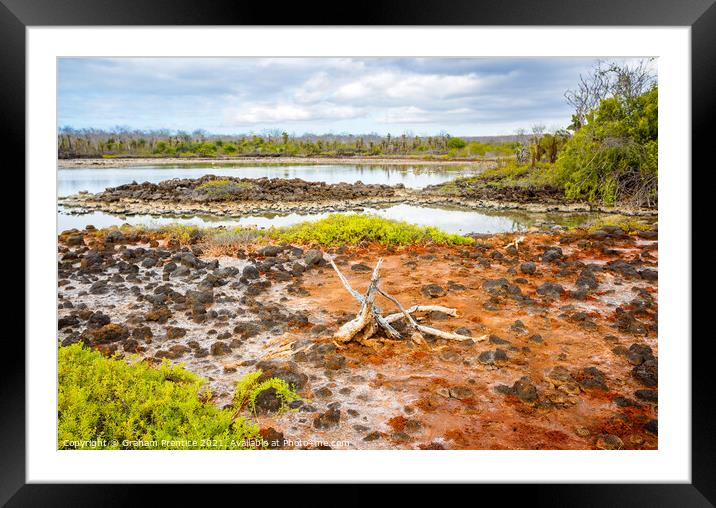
(613, 157)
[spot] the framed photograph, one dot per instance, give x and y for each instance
(436, 248)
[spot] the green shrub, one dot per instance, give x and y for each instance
(457, 143)
(116, 403)
(250, 387)
(352, 229)
(220, 190)
(614, 157)
(183, 233)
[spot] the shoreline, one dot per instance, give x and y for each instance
(138, 161)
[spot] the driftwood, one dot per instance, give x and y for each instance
(516, 243)
(370, 319)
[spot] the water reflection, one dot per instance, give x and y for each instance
(452, 219)
(73, 180)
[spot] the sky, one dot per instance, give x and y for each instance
(420, 96)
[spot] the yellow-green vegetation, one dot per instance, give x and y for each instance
(183, 233)
(335, 230)
(509, 174)
(628, 224)
(222, 189)
(353, 229)
(250, 387)
(108, 403)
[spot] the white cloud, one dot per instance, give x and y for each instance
(288, 112)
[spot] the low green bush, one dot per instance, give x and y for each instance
(220, 190)
(108, 403)
(250, 387)
(352, 229)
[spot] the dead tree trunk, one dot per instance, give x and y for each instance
(370, 319)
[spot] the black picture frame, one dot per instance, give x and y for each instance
(700, 15)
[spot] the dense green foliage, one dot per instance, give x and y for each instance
(614, 156)
(108, 403)
(353, 229)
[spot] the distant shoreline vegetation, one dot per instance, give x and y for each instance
(123, 142)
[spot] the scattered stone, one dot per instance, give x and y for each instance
(220, 348)
(496, 357)
(328, 420)
(528, 267)
(591, 378)
(609, 442)
(432, 291)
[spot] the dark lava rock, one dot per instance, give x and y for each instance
(106, 334)
(626, 322)
(142, 333)
(250, 272)
(267, 402)
(335, 362)
(639, 353)
(432, 291)
(160, 314)
(494, 339)
(323, 393)
(587, 279)
(622, 267)
(609, 442)
(496, 357)
(373, 436)
(288, 371)
(174, 332)
(454, 286)
(624, 402)
(247, 329)
(649, 274)
(550, 290)
(528, 267)
(360, 267)
(496, 286)
(591, 378)
(328, 420)
(203, 297)
(652, 426)
(314, 257)
(271, 250)
(114, 236)
(647, 395)
(525, 390)
(647, 373)
(219, 348)
(66, 321)
(170, 266)
(463, 331)
(275, 439)
(131, 345)
(99, 288)
(552, 254)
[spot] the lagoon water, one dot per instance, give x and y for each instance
(73, 180)
(451, 219)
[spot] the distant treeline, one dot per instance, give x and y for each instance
(120, 142)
